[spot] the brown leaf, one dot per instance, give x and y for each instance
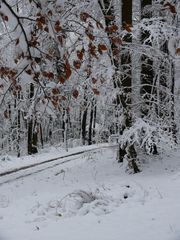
(61, 79)
(99, 25)
(67, 69)
(171, 7)
(102, 47)
(95, 91)
(50, 75)
(57, 26)
(80, 54)
(45, 74)
(92, 50)
(84, 16)
(39, 14)
(55, 91)
(112, 29)
(77, 64)
(116, 40)
(75, 93)
(89, 34)
(115, 51)
(40, 25)
(94, 80)
(33, 42)
(178, 51)
(41, 19)
(12, 73)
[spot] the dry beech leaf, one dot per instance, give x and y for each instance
(75, 93)
(84, 16)
(77, 64)
(96, 91)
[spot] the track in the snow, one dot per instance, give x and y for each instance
(32, 167)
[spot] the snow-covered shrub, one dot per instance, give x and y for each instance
(78, 202)
(74, 201)
(147, 137)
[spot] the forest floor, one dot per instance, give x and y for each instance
(93, 198)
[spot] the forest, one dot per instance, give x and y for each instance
(76, 72)
(89, 119)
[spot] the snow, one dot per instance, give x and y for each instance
(9, 162)
(92, 197)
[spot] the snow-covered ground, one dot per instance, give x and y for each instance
(92, 198)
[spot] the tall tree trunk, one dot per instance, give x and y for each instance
(172, 113)
(123, 81)
(147, 75)
(126, 62)
(94, 120)
(90, 132)
(41, 135)
(83, 126)
(32, 133)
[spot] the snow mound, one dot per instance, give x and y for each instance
(82, 202)
(77, 203)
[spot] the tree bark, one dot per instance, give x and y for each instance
(32, 134)
(90, 124)
(122, 65)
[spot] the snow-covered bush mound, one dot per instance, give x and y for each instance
(81, 202)
(76, 203)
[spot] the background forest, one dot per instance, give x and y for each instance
(79, 72)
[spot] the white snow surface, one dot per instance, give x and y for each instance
(93, 198)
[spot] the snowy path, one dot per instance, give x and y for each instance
(93, 199)
(28, 169)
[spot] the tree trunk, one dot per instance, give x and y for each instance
(32, 133)
(41, 135)
(90, 124)
(122, 65)
(83, 126)
(94, 120)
